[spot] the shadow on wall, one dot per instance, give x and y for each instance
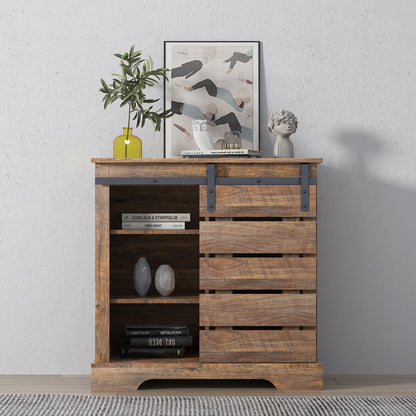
(367, 264)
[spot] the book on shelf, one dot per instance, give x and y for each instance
(139, 225)
(175, 341)
(159, 217)
(220, 153)
(130, 351)
(156, 331)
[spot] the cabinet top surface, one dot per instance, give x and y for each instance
(276, 161)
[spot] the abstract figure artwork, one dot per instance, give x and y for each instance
(216, 82)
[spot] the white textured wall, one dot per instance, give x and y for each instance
(345, 68)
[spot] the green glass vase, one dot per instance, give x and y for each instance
(127, 146)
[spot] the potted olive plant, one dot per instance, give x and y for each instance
(137, 73)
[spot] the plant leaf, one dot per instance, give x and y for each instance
(105, 86)
(127, 70)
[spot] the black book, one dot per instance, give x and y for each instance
(158, 342)
(130, 351)
(156, 331)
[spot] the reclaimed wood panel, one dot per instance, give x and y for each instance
(257, 237)
(128, 375)
(257, 273)
(102, 274)
(257, 310)
(257, 346)
(133, 299)
(240, 169)
(257, 201)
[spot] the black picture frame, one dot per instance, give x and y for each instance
(234, 77)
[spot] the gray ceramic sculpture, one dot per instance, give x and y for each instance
(283, 123)
(142, 277)
(165, 280)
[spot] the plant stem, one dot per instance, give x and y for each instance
(128, 129)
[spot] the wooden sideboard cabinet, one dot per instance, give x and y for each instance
(245, 269)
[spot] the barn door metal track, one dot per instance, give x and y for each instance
(211, 180)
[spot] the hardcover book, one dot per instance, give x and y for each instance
(139, 225)
(156, 331)
(161, 217)
(220, 153)
(177, 341)
(129, 351)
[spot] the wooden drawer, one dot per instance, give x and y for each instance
(257, 201)
(257, 309)
(226, 345)
(257, 273)
(257, 237)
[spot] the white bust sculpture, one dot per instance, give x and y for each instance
(283, 123)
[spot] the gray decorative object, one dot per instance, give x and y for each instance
(165, 280)
(283, 123)
(83, 405)
(142, 277)
(232, 140)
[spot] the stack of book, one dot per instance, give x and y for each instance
(160, 221)
(227, 153)
(155, 341)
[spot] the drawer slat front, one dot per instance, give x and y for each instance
(257, 273)
(257, 237)
(257, 346)
(257, 201)
(257, 309)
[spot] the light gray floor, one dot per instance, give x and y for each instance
(333, 386)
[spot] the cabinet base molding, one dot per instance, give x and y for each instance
(129, 375)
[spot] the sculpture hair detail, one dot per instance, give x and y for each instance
(282, 116)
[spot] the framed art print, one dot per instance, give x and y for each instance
(214, 85)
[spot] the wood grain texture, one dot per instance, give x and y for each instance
(257, 201)
(129, 374)
(257, 237)
(154, 299)
(257, 346)
(224, 168)
(257, 273)
(257, 310)
(287, 255)
(102, 274)
(222, 310)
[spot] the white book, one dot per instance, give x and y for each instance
(160, 217)
(223, 152)
(141, 225)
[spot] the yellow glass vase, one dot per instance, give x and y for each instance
(127, 146)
